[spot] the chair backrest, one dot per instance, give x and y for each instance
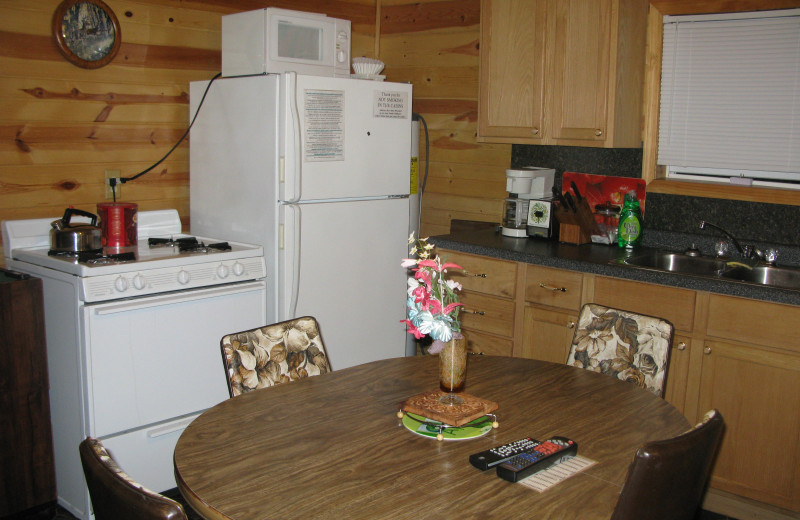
(274, 354)
(115, 496)
(667, 479)
(622, 344)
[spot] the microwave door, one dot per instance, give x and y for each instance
(345, 139)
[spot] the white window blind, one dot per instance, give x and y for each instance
(730, 97)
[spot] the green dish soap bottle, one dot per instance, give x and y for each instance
(630, 222)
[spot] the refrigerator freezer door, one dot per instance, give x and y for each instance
(355, 138)
(350, 277)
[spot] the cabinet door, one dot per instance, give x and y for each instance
(758, 393)
(578, 68)
(512, 69)
(547, 334)
(678, 373)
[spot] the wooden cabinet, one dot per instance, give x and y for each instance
(737, 355)
(552, 303)
(562, 72)
(752, 375)
(27, 472)
(488, 295)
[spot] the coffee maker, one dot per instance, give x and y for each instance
(528, 188)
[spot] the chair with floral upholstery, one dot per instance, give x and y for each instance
(628, 346)
(667, 478)
(274, 354)
(115, 496)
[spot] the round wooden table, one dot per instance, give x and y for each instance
(332, 446)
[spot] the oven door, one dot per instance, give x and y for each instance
(157, 358)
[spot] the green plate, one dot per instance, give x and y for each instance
(429, 428)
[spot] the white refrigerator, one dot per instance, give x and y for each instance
(316, 170)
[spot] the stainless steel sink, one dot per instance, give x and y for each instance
(706, 267)
(766, 275)
(677, 263)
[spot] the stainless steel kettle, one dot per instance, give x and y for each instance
(75, 238)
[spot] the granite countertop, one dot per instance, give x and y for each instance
(483, 238)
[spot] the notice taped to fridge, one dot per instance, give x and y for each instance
(324, 125)
(390, 104)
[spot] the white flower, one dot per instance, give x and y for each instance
(453, 285)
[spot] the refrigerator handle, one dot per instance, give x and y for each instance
(290, 79)
(295, 263)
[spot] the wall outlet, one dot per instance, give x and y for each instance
(113, 174)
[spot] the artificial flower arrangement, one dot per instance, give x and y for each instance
(433, 304)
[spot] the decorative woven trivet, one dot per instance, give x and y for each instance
(427, 405)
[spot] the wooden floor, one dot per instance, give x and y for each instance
(54, 512)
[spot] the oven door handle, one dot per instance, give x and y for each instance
(149, 302)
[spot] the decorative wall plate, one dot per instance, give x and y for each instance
(86, 32)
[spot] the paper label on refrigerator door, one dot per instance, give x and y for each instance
(324, 125)
(390, 104)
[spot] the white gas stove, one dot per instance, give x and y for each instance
(133, 340)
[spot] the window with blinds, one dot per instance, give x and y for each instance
(730, 98)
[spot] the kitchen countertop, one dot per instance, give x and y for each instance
(484, 239)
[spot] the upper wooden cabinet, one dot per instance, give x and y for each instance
(566, 72)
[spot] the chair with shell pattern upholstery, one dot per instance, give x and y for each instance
(115, 495)
(631, 347)
(273, 355)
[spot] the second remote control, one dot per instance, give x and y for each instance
(499, 454)
(541, 457)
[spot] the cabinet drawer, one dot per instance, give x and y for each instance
(487, 314)
(553, 287)
(670, 303)
(479, 343)
(750, 321)
(484, 275)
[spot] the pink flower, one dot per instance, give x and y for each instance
(413, 330)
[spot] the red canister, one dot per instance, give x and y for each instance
(117, 223)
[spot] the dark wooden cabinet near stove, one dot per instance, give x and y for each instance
(27, 475)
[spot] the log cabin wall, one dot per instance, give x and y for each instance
(62, 127)
(434, 45)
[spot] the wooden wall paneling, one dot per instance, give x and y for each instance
(62, 126)
(435, 46)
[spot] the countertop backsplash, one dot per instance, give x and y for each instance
(673, 221)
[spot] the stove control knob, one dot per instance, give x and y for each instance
(121, 284)
(238, 269)
(183, 277)
(138, 282)
(223, 271)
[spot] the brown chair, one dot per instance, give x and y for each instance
(628, 346)
(115, 496)
(667, 479)
(272, 355)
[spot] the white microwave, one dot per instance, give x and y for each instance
(275, 40)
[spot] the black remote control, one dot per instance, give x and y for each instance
(544, 455)
(499, 454)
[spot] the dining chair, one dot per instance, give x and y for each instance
(273, 354)
(667, 478)
(115, 496)
(628, 346)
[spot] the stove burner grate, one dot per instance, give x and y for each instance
(95, 256)
(200, 247)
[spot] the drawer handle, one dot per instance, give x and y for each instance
(552, 288)
(469, 311)
(571, 325)
(479, 275)
(707, 351)
(681, 345)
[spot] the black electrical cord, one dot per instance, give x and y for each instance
(123, 180)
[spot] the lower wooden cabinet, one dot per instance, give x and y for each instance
(758, 393)
(738, 355)
(547, 333)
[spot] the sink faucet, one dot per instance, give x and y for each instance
(703, 225)
(769, 256)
